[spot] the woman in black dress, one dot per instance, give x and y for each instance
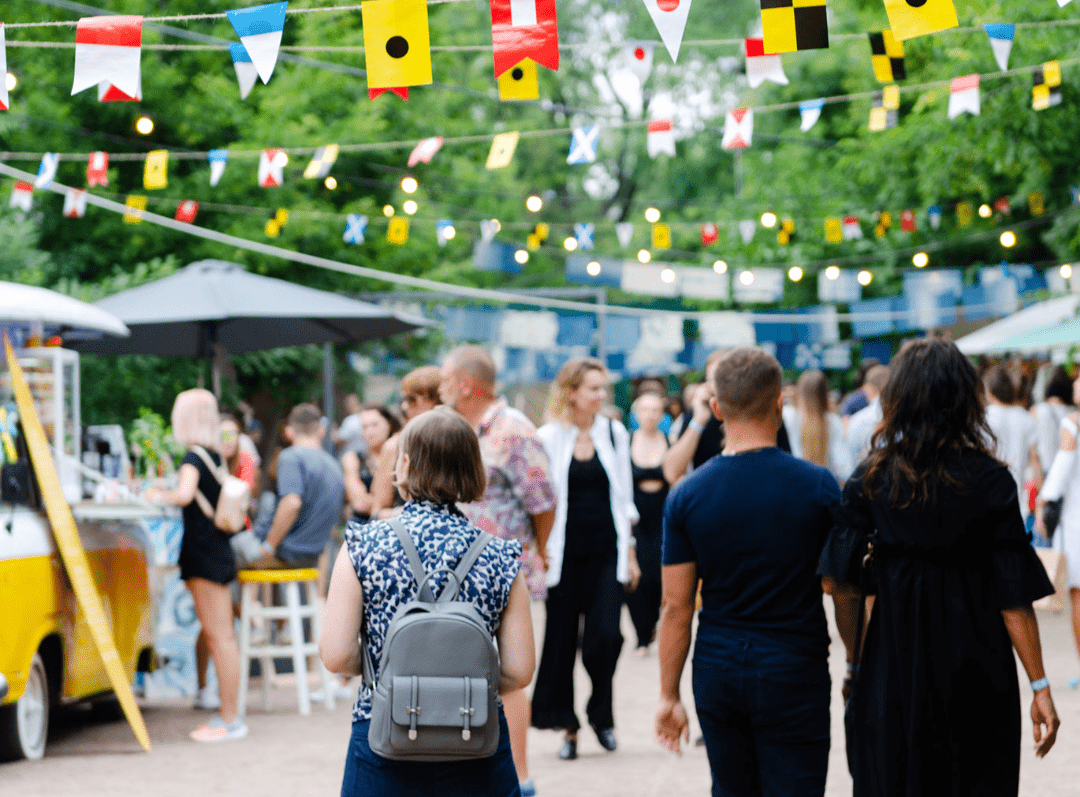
(935, 705)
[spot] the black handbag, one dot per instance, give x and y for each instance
(1052, 516)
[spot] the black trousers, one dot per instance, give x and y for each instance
(644, 602)
(587, 588)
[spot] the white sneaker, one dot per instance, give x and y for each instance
(217, 731)
(207, 700)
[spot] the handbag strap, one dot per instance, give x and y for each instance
(200, 499)
(215, 470)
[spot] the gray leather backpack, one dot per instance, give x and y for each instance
(437, 696)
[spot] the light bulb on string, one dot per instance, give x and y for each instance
(409, 185)
(410, 206)
(521, 256)
(667, 275)
(570, 244)
(985, 212)
(720, 267)
(747, 278)
(593, 269)
(388, 210)
(832, 272)
(1066, 271)
(330, 183)
(920, 259)
(1008, 239)
(768, 220)
(865, 278)
(11, 81)
(449, 233)
(652, 215)
(644, 256)
(534, 203)
(795, 273)
(144, 125)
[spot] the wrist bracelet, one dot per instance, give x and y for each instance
(1042, 683)
(697, 427)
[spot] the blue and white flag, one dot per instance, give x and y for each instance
(933, 213)
(444, 231)
(218, 158)
(585, 233)
(811, 112)
(355, 227)
(625, 231)
(1001, 40)
(260, 28)
(246, 73)
(46, 170)
(583, 145)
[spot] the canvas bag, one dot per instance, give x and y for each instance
(230, 514)
(437, 694)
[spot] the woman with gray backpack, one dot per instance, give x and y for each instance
(434, 614)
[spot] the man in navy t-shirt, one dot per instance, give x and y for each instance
(750, 524)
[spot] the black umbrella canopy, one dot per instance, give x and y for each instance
(214, 302)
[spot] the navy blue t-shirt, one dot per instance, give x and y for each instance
(755, 524)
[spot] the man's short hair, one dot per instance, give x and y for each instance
(445, 465)
(878, 377)
(476, 362)
(1000, 385)
(305, 419)
(423, 382)
(747, 383)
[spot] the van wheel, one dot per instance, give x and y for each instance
(24, 724)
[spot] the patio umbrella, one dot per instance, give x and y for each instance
(993, 337)
(1054, 336)
(26, 305)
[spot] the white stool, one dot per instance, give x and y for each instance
(293, 613)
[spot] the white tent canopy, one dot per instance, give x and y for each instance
(26, 304)
(993, 337)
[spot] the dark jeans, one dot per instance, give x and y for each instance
(763, 705)
(370, 775)
(586, 587)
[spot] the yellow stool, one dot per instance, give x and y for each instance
(293, 613)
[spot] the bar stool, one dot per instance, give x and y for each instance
(293, 613)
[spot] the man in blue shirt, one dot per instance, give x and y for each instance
(750, 524)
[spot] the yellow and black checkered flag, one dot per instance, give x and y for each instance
(790, 25)
(887, 55)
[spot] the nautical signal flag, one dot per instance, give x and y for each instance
(246, 73)
(186, 211)
(661, 236)
(709, 233)
(108, 49)
(1003, 206)
(520, 82)
(670, 17)
(790, 25)
(747, 228)
(425, 150)
(1047, 89)
(907, 220)
(97, 169)
(887, 56)
(135, 207)
(738, 128)
(107, 92)
(259, 29)
(1035, 204)
(397, 45)
(585, 235)
(1001, 41)
(444, 231)
(883, 113)
(218, 158)
(271, 164)
(355, 228)
(933, 215)
(850, 228)
(624, 231)
(273, 229)
(583, 145)
(810, 112)
(156, 171)
(964, 96)
(397, 232)
(911, 18)
(488, 229)
(834, 231)
(321, 162)
(74, 203)
(660, 138)
(502, 150)
(5, 101)
(639, 59)
(761, 67)
(965, 213)
(523, 29)
(46, 172)
(22, 197)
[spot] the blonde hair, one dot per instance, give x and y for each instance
(812, 400)
(569, 379)
(195, 419)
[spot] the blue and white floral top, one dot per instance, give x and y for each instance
(441, 535)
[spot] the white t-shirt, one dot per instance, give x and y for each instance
(1048, 431)
(839, 459)
(861, 428)
(1014, 429)
(352, 433)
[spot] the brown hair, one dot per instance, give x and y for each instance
(569, 379)
(812, 400)
(747, 383)
(391, 418)
(305, 419)
(1000, 385)
(422, 382)
(444, 458)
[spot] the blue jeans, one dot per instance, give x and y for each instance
(763, 705)
(370, 775)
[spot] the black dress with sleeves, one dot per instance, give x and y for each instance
(936, 708)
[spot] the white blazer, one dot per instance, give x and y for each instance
(558, 439)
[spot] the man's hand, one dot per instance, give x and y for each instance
(1045, 722)
(702, 413)
(672, 726)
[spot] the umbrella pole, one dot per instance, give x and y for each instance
(328, 394)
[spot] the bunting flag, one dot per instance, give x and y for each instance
(186, 211)
(761, 67)
(884, 114)
(271, 164)
(397, 232)
(156, 170)
(965, 213)
(964, 96)
(790, 25)
(907, 220)
(488, 229)
(834, 230)
(74, 203)
(933, 215)
(397, 45)
(135, 207)
(911, 18)
(669, 17)
(5, 100)
(583, 145)
(850, 228)
(1035, 204)
(887, 57)
(624, 230)
(520, 82)
(786, 232)
(108, 48)
(810, 111)
(425, 150)
(709, 233)
(639, 59)
(273, 229)
(259, 29)
(281, 216)
(1046, 90)
(661, 236)
(46, 172)
(246, 73)
(97, 169)
(523, 29)
(444, 231)
(107, 92)
(738, 128)
(502, 150)
(1002, 206)
(321, 162)
(355, 227)
(585, 235)
(218, 158)
(747, 228)
(660, 138)
(22, 197)
(1001, 41)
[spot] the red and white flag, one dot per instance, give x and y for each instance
(22, 197)
(851, 228)
(5, 102)
(709, 233)
(107, 92)
(660, 140)
(907, 220)
(964, 96)
(639, 58)
(761, 67)
(97, 169)
(738, 129)
(523, 29)
(271, 163)
(74, 203)
(187, 210)
(669, 17)
(425, 150)
(108, 49)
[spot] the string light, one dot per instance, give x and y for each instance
(521, 256)
(449, 233)
(644, 256)
(1066, 271)
(667, 275)
(11, 81)
(720, 267)
(330, 183)
(747, 278)
(409, 185)
(832, 272)
(497, 225)
(1008, 239)
(534, 203)
(865, 278)
(768, 220)
(409, 206)
(388, 210)
(985, 211)
(145, 125)
(652, 215)
(593, 269)
(795, 274)
(570, 244)
(920, 259)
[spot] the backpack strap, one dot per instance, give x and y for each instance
(468, 559)
(418, 569)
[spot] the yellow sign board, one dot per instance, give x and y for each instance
(71, 550)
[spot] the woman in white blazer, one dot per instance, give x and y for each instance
(590, 552)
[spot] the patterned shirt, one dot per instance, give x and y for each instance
(519, 485)
(441, 535)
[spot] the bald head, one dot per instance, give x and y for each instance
(473, 361)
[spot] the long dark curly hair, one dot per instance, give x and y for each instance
(932, 407)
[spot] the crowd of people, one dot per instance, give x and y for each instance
(905, 501)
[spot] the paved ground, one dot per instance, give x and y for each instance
(291, 755)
